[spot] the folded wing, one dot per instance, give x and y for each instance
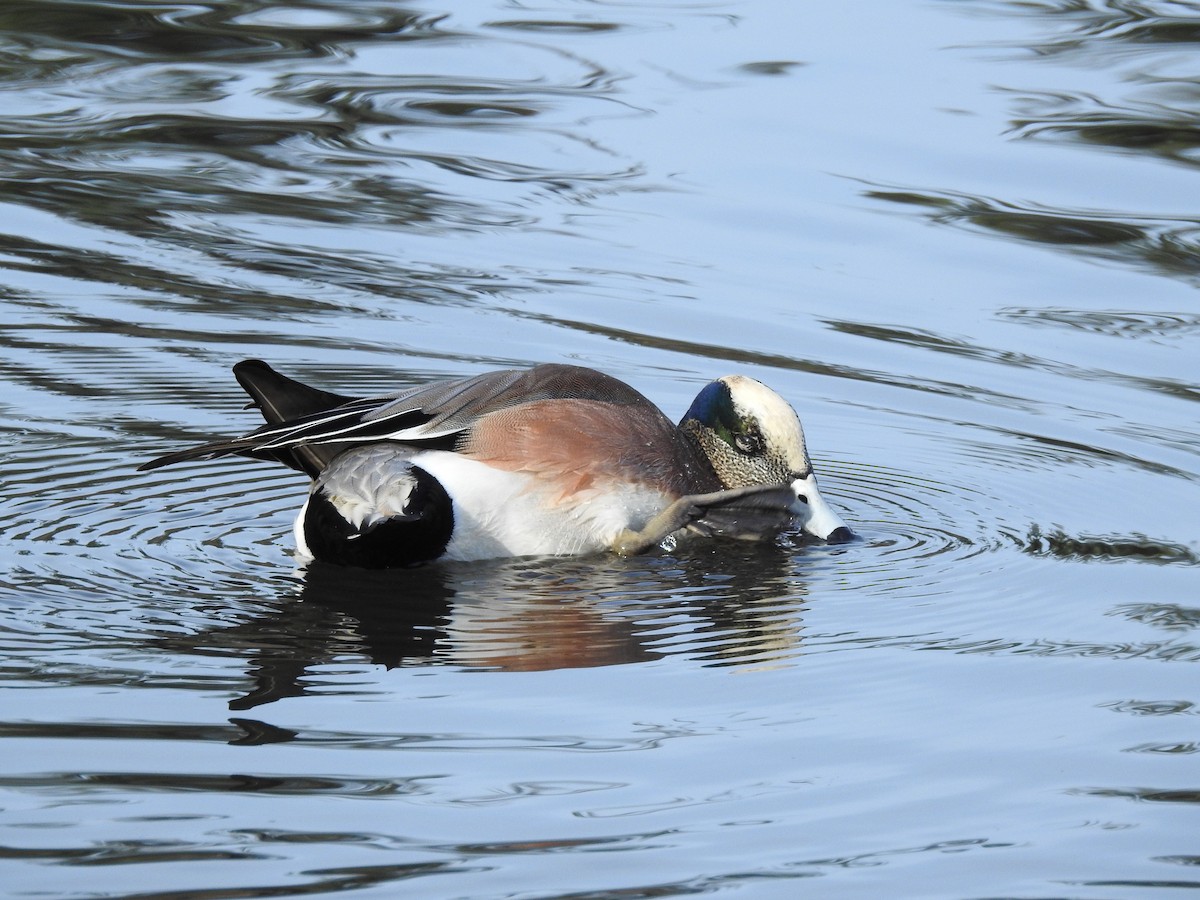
(306, 427)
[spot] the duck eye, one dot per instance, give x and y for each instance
(748, 443)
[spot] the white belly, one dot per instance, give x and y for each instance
(499, 513)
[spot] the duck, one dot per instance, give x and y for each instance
(557, 460)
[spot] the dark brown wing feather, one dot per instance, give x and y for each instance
(306, 427)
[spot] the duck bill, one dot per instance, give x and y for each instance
(816, 516)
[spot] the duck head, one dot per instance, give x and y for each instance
(751, 435)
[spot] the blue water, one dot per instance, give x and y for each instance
(961, 237)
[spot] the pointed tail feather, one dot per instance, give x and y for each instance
(211, 450)
(279, 398)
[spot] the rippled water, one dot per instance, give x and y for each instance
(962, 237)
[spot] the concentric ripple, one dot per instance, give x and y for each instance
(920, 533)
(82, 524)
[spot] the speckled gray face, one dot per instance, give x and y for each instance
(738, 456)
(751, 435)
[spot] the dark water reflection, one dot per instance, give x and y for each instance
(1170, 248)
(516, 616)
(961, 237)
(1104, 29)
(1146, 110)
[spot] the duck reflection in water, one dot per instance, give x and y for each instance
(520, 615)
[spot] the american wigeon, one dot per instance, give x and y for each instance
(553, 460)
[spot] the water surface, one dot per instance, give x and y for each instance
(961, 237)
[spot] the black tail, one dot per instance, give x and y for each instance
(279, 399)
